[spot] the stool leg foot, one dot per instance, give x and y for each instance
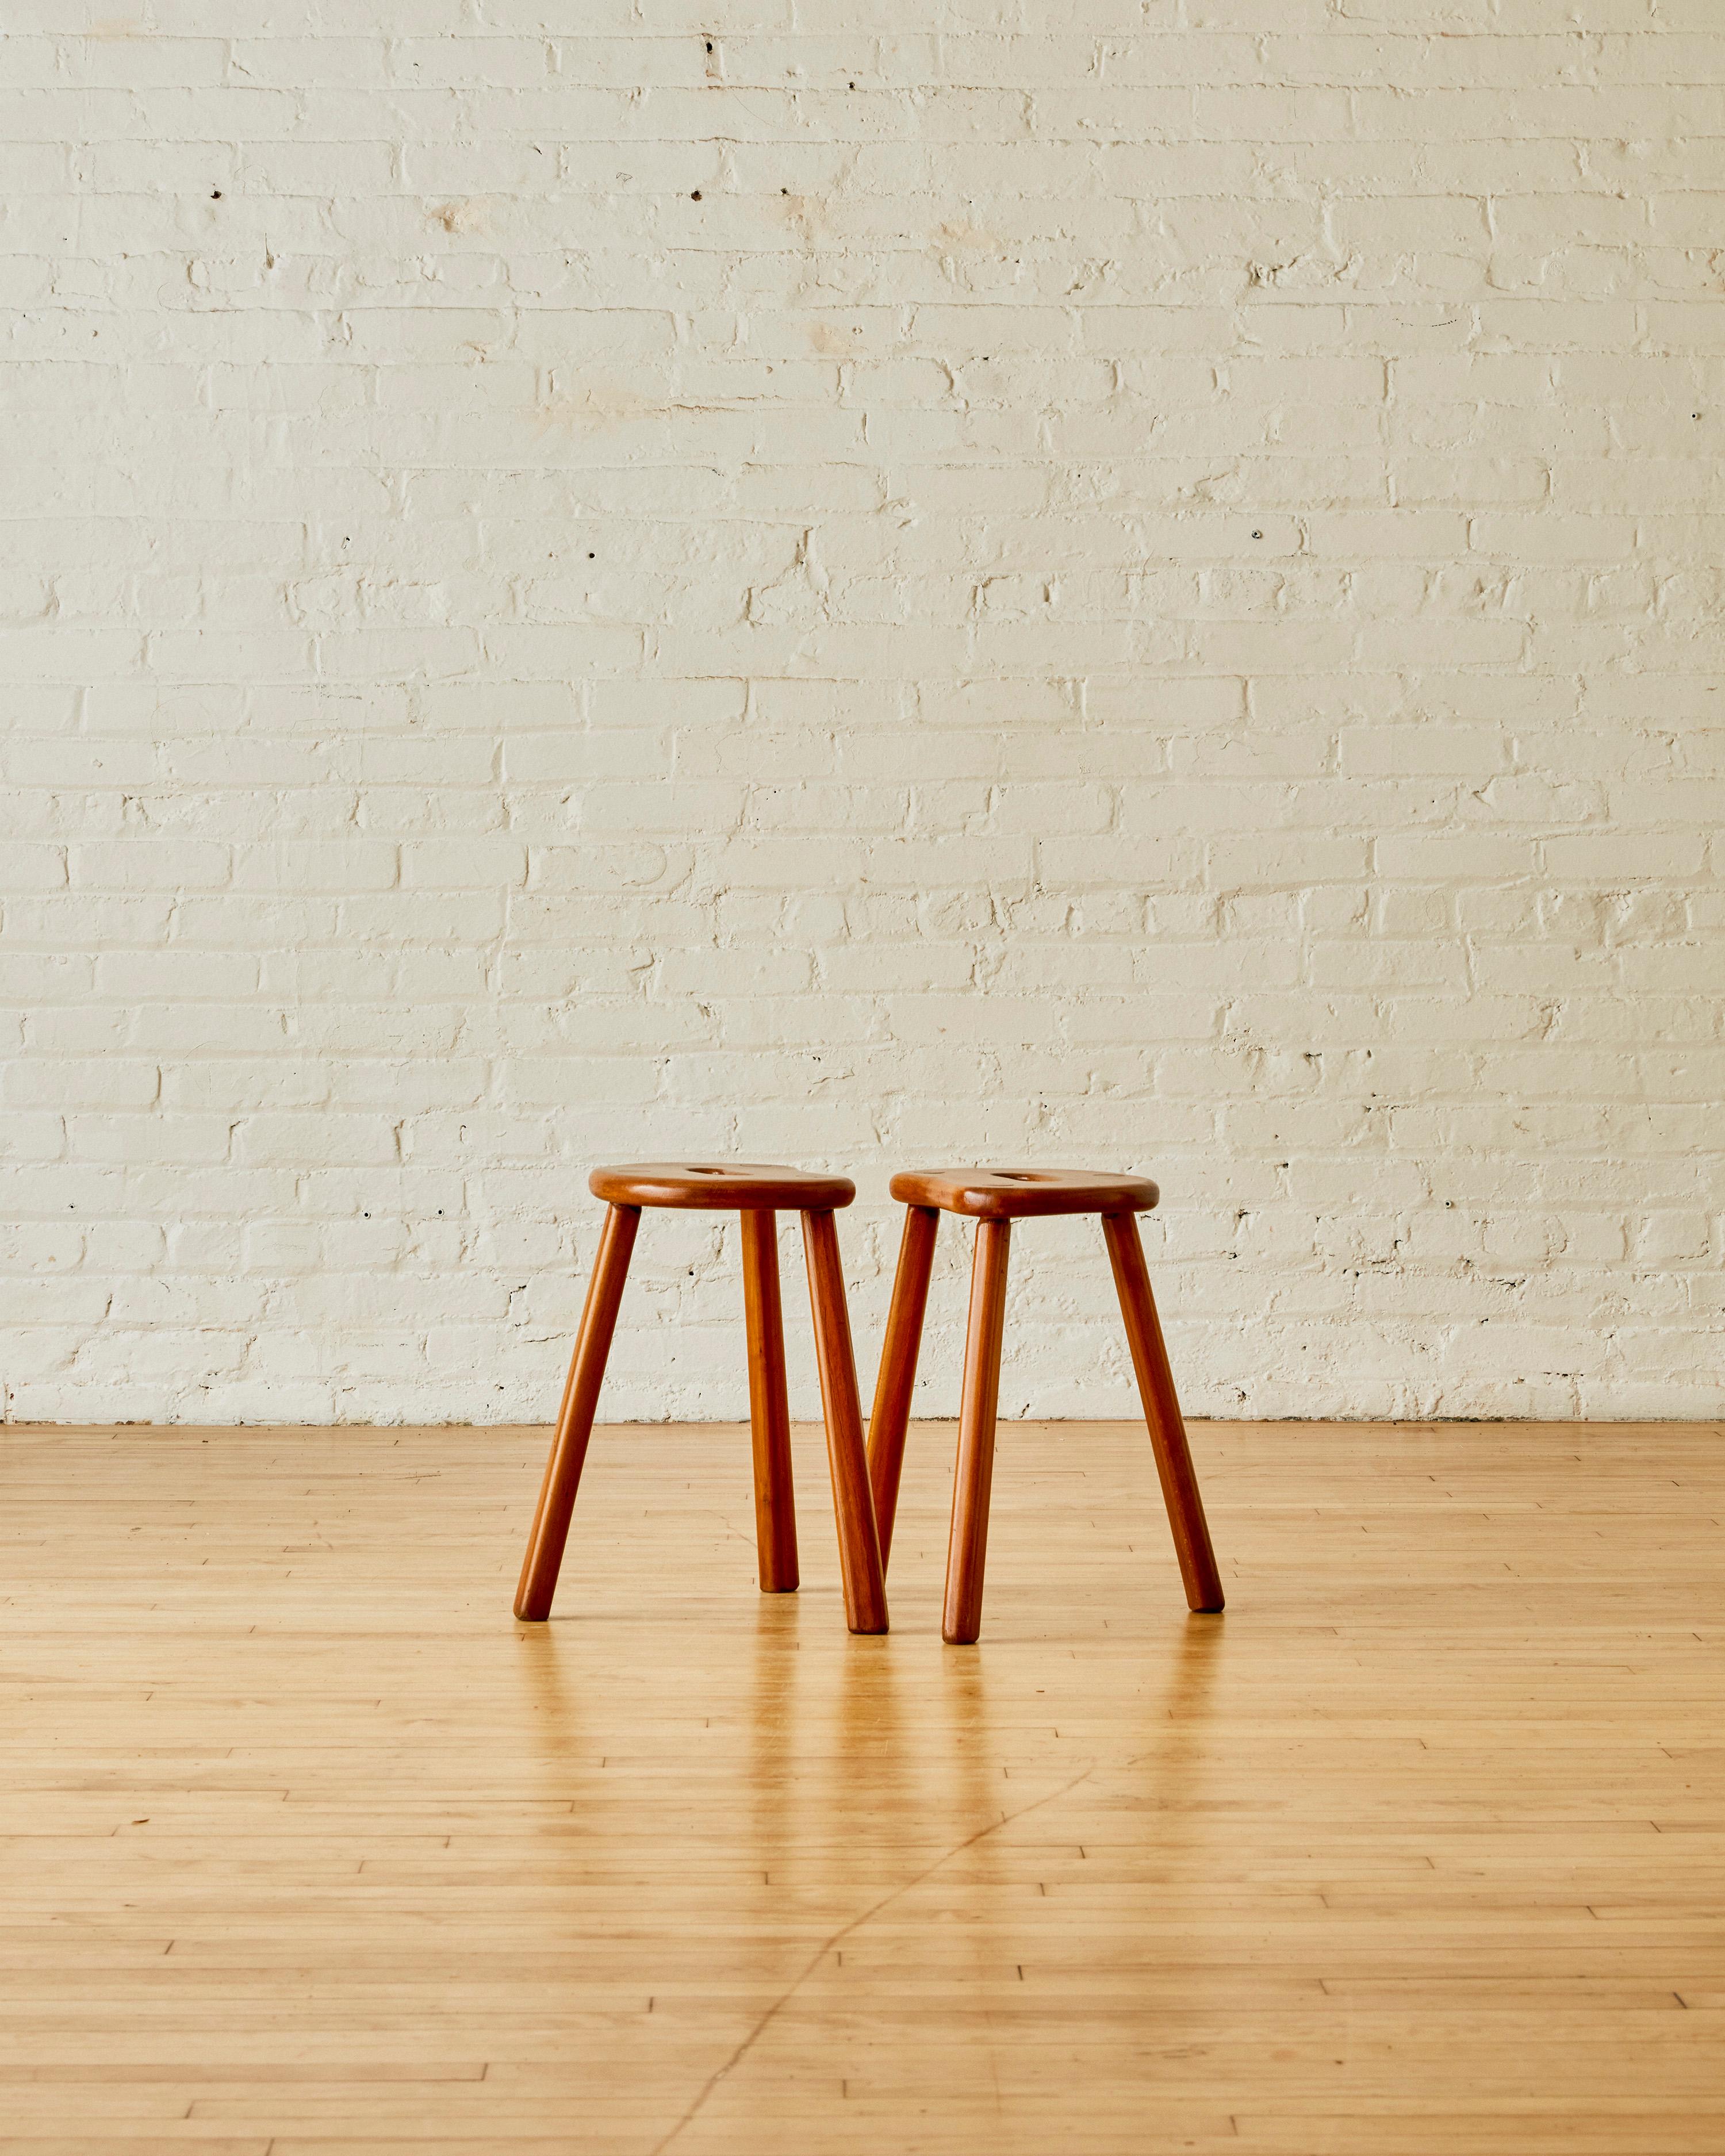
(581, 1396)
(1162, 1412)
(859, 1546)
(967, 1550)
(897, 1377)
(769, 1410)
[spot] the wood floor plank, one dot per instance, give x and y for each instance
(308, 1848)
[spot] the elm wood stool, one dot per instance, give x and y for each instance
(994, 1198)
(755, 1192)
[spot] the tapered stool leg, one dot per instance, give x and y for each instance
(967, 1550)
(859, 1547)
(581, 1396)
(769, 1410)
(897, 1377)
(1162, 1412)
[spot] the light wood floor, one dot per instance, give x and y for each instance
(309, 1847)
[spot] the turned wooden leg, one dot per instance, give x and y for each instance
(581, 1396)
(858, 1549)
(962, 1620)
(769, 1410)
(1162, 1412)
(897, 1377)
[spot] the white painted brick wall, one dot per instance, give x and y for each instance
(1132, 583)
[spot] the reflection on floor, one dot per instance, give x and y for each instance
(309, 1847)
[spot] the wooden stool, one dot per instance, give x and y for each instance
(755, 1192)
(994, 1198)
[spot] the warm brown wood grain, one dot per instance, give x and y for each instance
(752, 1191)
(1420, 1851)
(769, 1410)
(722, 1185)
(1162, 1414)
(896, 1379)
(550, 1531)
(1012, 1194)
(968, 1544)
(859, 1547)
(992, 1196)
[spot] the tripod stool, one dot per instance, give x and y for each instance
(994, 1198)
(754, 1193)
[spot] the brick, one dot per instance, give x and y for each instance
(906, 652)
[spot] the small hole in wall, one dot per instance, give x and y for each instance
(215, 195)
(695, 195)
(709, 44)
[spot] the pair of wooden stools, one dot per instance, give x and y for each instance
(866, 1484)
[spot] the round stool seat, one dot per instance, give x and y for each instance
(721, 1186)
(1014, 1194)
